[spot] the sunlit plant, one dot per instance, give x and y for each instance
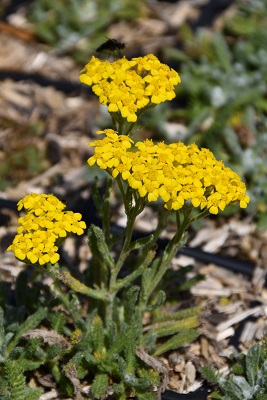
(109, 347)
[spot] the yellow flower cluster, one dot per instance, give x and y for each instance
(76, 336)
(127, 86)
(176, 173)
(43, 224)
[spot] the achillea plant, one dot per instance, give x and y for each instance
(109, 347)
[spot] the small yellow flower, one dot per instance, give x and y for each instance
(43, 225)
(127, 86)
(76, 336)
(176, 173)
(244, 201)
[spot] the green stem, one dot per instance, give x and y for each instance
(165, 261)
(124, 252)
(162, 223)
(74, 285)
(78, 287)
(139, 113)
(120, 184)
(143, 263)
(55, 370)
(115, 121)
(147, 254)
(201, 215)
(106, 211)
(118, 122)
(60, 294)
(131, 212)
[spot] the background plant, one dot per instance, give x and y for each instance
(23, 157)
(78, 27)
(247, 378)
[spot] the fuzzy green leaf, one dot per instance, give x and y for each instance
(187, 313)
(118, 388)
(57, 320)
(149, 341)
(230, 389)
(33, 349)
(139, 243)
(90, 358)
(55, 350)
(239, 369)
(146, 395)
(31, 322)
(183, 287)
(149, 274)
(121, 364)
(99, 247)
(130, 357)
(174, 327)
(131, 380)
(252, 363)
(181, 339)
(16, 383)
(210, 374)
(243, 385)
(5, 342)
(119, 343)
(152, 377)
(158, 301)
(129, 302)
(100, 385)
(98, 334)
(112, 332)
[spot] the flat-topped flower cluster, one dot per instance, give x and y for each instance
(127, 86)
(43, 225)
(175, 173)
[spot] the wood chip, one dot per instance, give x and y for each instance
(258, 280)
(190, 371)
(53, 394)
(240, 317)
(225, 334)
(50, 337)
(248, 332)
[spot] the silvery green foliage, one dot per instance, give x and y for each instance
(247, 379)
(63, 24)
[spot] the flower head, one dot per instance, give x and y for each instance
(176, 173)
(127, 86)
(42, 227)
